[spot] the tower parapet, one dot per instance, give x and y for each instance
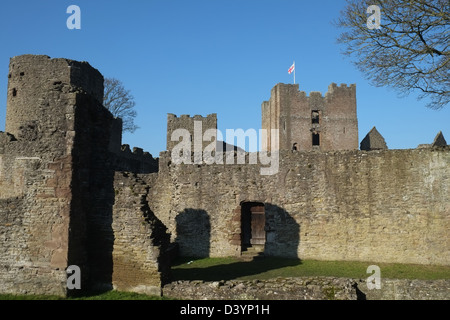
(187, 122)
(36, 81)
(313, 122)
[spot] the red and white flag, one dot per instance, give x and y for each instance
(292, 68)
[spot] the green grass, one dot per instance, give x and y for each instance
(215, 269)
(109, 295)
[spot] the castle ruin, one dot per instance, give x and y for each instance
(324, 123)
(72, 194)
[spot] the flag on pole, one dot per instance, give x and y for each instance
(292, 68)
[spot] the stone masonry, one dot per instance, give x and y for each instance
(72, 194)
(57, 164)
(382, 206)
(308, 288)
(316, 122)
(139, 239)
(188, 124)
(373, 141)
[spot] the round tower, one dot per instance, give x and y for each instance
(38, 84)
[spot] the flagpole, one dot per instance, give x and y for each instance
(294, 71)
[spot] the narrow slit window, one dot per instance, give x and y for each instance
(315, 139)
(315, 116)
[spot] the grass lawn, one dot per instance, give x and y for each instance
(110, 295)
(216, 269)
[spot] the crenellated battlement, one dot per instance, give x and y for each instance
(174, 117)
(136, 161)
(343, 89)
(333, 88)
(187, 122)
(314, 121)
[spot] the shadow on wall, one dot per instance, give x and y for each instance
(91, 235)
(281, 239)
(282, 233)
(193, 228)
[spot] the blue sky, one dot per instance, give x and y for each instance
(210, 56)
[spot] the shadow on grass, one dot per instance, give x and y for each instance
(103, 295)
(229, 271)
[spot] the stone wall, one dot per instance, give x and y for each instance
(140, 240)
(309, 288)
(36, 172)
(122, 158)
(93, 193)
(380, 206)
(137, 161)
(187, 122)
(62, 202)
(34, 79)
(291, 112)
(57, 168)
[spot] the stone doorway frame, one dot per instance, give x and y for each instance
(236, 225)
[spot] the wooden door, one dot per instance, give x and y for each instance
(258, 225)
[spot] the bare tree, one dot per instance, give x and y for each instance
(410, 49)
(120, 103)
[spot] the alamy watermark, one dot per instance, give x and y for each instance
(374, 281)
(213, 153)
(74, 20)
(374, 20)
(74, 277)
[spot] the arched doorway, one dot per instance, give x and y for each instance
(253, 222)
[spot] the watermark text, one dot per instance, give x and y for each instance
(374, 281)
(374, 20)
(74, 277)
(213, 152)
(74, 20)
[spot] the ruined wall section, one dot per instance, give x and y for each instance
(35, 176)
(57, 168)
(136, 161)
(140, 247)
(309, 288)
(187, 122)
(63, 176)
(265, 124)
(382, 206)
(124, 159)
(163, 190)
(297, 116)
(92, 236)
(31, 75)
